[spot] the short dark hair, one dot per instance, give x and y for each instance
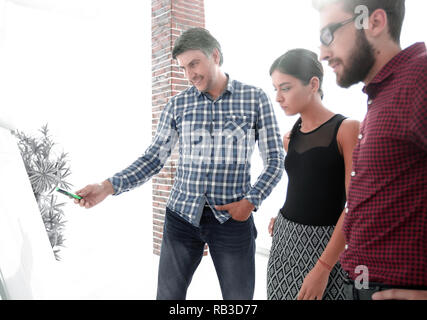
(197, 39)
(302, 64)
(395, 10)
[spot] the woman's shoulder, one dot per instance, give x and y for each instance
(349, 126)
(348, 132)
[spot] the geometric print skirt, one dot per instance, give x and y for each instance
(294, 252)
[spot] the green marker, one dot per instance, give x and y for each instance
(69, 194)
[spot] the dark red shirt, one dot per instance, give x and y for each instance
(386, 222)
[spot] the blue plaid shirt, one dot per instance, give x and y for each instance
(216, 142)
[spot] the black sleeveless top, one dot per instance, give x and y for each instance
(316, 171)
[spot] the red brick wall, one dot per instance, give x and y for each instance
(169, 19)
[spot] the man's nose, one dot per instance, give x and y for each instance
(325, 53)
(188, 75)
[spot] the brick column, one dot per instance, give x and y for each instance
(169, 19)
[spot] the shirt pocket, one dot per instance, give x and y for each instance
(236, 126)
(235, 137)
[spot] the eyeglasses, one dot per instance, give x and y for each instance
(327, 33)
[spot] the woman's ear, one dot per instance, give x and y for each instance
(314, 84)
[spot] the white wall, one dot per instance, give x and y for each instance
(84, 67)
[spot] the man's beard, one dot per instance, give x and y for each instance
(361, 62)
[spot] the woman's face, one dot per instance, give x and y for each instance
(292, 95)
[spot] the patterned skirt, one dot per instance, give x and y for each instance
(294, 252)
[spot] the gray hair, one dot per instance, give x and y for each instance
(197, 39)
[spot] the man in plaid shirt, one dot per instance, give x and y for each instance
(386, 221)
(216, 123)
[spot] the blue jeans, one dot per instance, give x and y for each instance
(232, 248)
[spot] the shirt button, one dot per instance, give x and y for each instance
(353, 174)
(346, 210)
(346, 247)
(370, 101)
(360, 137)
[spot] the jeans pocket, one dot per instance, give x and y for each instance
(237, 221)
(241, 222)
(247, 224)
